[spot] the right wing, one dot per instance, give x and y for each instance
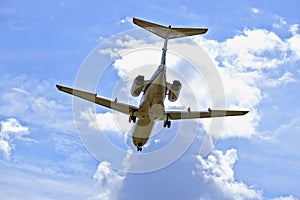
(108, 103)
(174, 115)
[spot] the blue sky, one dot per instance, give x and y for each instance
(255, 46)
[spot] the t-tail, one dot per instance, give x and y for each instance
(168, 32)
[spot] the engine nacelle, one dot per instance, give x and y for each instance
(174, 91)
(137, 86)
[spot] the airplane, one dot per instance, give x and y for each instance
(154, 92)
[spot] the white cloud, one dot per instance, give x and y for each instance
(255, 10)
(249, 63)
(11, 130)
(27, 99)
(5, 147)
(286, 78)
(281, 22)
(107, 122)
(255, 49)
(199, 178)
(217, 170)
(294, 29)
(242, 61)
(212, 177)
(294, 44)
(12, 126)
(108, 180)
(125, 20)
(290, 197)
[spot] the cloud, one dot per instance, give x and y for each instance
(58, 167)
(294, 44)
(18, 184)
(31, 101)
(249, 64)
(217, 171)
(290, 197)
(190, 177)
(125, 20)
(108, 180)
(294, 29)
(255, 10)
(253, 50)
(12, 126)
(286, 78)
(198, 178)
(281, 22)
(5, 147)
(107, 121)
(11, 130)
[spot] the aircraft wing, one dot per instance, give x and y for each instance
(108, 103)
(174, 115)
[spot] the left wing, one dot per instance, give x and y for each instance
(108, 103)
(174, 115)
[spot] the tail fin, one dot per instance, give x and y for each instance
(168, 32)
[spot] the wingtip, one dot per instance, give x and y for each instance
(245, 112)
(134, 20)
(59, 87)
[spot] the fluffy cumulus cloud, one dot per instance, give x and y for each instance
(217, 172)
(191, 177)
(249, 64)
(108, 180)
(11, 130)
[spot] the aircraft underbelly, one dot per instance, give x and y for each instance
(152, 108)
(142, 131)
(155, 96)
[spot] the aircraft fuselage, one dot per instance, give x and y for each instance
(151, 107)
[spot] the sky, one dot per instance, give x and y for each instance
(52, 146)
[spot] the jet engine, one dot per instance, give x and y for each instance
(174, 91)
(137, 86)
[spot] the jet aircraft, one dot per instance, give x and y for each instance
(154, 92)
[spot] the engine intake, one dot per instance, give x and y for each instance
(137, 86)
(174, 91)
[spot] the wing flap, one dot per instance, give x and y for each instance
(174, 115)
(108, 103)
(168, 32)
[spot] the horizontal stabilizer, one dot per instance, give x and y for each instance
(168, 32)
